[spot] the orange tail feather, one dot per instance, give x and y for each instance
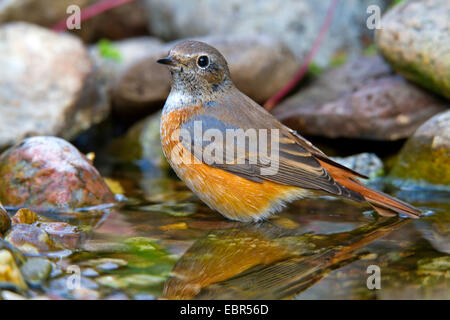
(384, 204)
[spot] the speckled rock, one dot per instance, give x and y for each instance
(30, 239)
(62, 234)
(259, 65)
(121, 22)
(415, 39)
(425, 157)
(46, 87)
(49, 173)
(363, 99)
(366, 163)
(297, 23)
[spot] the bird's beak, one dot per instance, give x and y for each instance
(170, 61)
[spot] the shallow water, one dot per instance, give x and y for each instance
(162, 242)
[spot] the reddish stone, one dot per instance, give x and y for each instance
(49, 173)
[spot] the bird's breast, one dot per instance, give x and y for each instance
(235, 197)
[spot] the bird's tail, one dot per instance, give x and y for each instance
(384, 204)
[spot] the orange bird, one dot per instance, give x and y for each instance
(235, 156)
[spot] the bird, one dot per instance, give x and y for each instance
(235, 176)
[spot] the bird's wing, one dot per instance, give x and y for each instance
(279, 159)
(322, 156)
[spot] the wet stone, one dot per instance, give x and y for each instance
(62, 233)
(89, 272)
(64, 286)
(107, 266)
(10, 275)
(24, 216)
(30, 239)
(36, 270)
(106, 263)
(49, 173)
(424, 159)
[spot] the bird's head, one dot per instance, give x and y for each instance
(197, 68)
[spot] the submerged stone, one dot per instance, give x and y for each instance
(36, 270)
(30, 239)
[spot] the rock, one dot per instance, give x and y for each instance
(17, 254)
(435, 229)
(30, 239)
(126, 53)
(10, 274)
(62, 234)
(362, 99)
(296, 23)
(366, 163)
(36, 270)
(48, 173)
(46, 85)
(106, 264)
(67, 287)
(125, 21)
(89, 272)
(121, 22)
(259, 65)
(142, 143)
(25, 216)
(415, 39)
(5, 221)
(424, 158)
(33, 10)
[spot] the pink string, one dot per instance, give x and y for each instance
(92, 11)
(275, 99)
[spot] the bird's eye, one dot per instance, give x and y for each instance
(203, 61)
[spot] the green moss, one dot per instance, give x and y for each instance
(371, 50)
(396, 2)
(419, 161)
(108, 50)
(339, 59)
(423, 75)
(315, 69)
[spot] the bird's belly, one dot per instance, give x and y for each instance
(235, 197)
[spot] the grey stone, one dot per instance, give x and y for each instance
(415, 39)
(362, 99)
(259, 65)
(124, 21)
(366, 163)
(46, 85)
(297, 23)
